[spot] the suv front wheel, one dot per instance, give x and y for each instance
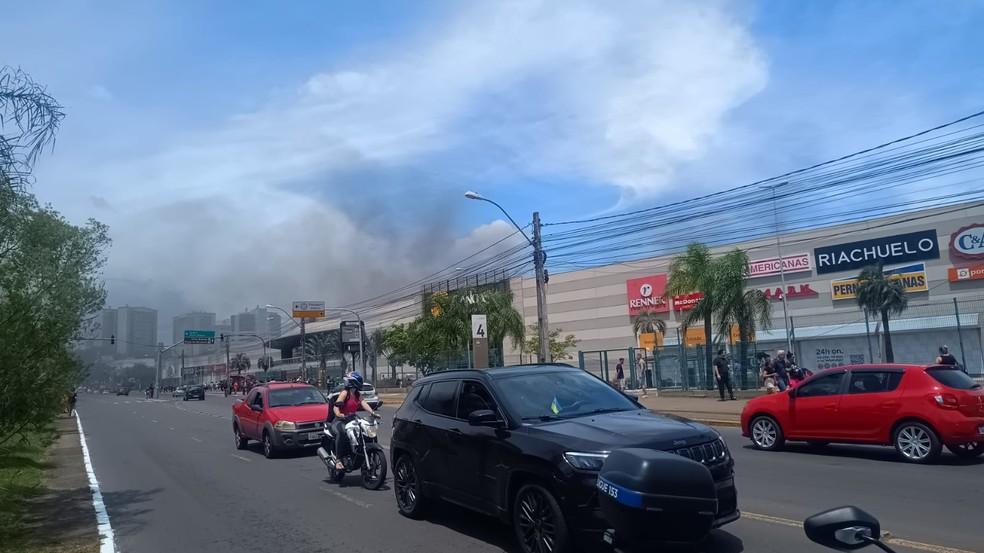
(538, 521)
(406, 484)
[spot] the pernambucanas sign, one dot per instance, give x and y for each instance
(913, 278)
(901, 248)
(795, 263)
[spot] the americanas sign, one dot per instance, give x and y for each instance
(914, 246)
(796, 263)
(647, 294)
(968, 242)
(913, 278)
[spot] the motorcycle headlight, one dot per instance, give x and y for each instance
(285, 425)
(585, 461)
(370, 430)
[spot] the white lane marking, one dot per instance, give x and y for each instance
(196, 439)
(170, 428)
(116, 403)
(241, 458)
(134, 412)
(350, 499)
(106, 538)
(887, 536)
(153, 420)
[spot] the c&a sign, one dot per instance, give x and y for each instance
(968, 242)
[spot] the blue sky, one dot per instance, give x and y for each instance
(245, 153)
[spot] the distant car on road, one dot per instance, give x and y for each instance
(178, 392)
(918, 409)
(196, 391)
(368, 394)
(281, 416)
(123, 391)
(526, 444)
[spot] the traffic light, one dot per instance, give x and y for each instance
(112, 339)
(222, 337)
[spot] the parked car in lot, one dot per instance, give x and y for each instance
(178, 392)
(526, 444)
(368, 394)
(123, 391)
(196, 391)
(918, 409)
(281, 416)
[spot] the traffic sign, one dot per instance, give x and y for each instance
(199, 336)
(308, 309)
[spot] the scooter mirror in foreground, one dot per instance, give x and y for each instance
(483, 417)
(845, 529)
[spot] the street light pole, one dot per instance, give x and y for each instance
(362, 357)
(539, 258)
(290, 317)
(161, 350)
(782, 271)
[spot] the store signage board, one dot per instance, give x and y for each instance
(962, 274)
(795, 263)
(308, 309)
(647, 294)
(913, 278)
(968, 242)
(900, 248)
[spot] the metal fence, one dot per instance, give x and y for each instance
(672, 367)
(849, 336)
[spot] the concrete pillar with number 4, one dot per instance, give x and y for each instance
(480, 341)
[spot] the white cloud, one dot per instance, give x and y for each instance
(611, 94)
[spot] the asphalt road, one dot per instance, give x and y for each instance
(173, 481)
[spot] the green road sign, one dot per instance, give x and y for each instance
(199, 337)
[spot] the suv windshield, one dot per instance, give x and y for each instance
(952, 377)
(560, 395)
(295, 396)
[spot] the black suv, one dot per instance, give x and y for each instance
(525, 444)
(196, 391)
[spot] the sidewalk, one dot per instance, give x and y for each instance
(62, 519)
(704, 408)
(707, 410)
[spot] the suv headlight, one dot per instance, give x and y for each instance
(585, 461)
(285, 425)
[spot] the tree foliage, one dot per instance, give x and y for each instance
(693, 271)
(49, 268)
(559, 348)
(438, 339)
(879, 293)
(648, 322)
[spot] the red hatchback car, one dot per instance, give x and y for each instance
(918, 409)
(281, 416)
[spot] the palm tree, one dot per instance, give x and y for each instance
(881, 294)
(450, 323)
(648, 322)
(322, 347)
(240, 362)
(693, 271)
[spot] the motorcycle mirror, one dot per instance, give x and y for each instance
(484, 417)
(845, 528)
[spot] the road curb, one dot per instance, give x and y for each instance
(715, 422)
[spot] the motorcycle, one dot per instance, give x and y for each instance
(364, 452)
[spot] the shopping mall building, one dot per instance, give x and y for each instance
(938, 255)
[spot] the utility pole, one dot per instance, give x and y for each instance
(228, 368)
(182, 363)
(782, 271)
(157, 372)
(303, 352)
(539, 257)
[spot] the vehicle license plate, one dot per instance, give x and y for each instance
(314, 435)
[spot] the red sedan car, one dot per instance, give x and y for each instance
(281, 416)
(918, 409)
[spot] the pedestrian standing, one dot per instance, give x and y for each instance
(641, 368)
(945, 357)
(782, 376)
(768, 374)
(722, 372)
(620, 374)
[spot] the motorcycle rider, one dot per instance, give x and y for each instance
(348, 402)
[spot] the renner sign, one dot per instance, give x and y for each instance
(796, 263)
(647, 294)
(900, 248)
